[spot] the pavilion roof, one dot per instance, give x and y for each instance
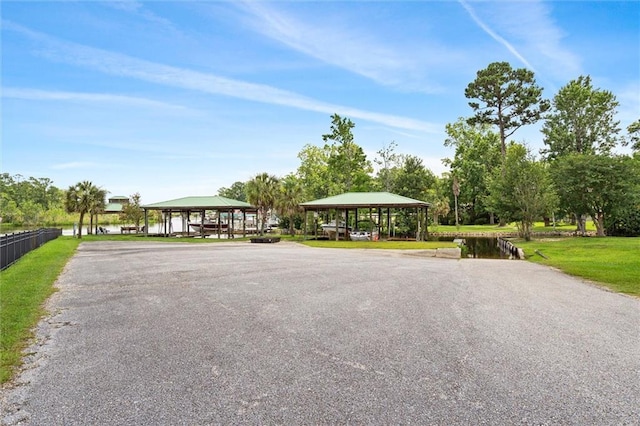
(362, 200)
(113, 208)
(215, 202)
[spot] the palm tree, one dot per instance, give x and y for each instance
(262, 192)
(80, 199)
(98, 204)
(289, 199)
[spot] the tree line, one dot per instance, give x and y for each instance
(491, 178)
(36, 202)
(577, 175)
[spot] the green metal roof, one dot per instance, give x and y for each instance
(199, 203)
(364, 199)
(113, 208)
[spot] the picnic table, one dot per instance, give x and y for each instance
(129, 229)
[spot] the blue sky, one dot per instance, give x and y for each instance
(171, 99)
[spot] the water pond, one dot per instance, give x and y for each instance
(478, 247)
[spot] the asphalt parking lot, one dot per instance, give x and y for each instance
(240, 333)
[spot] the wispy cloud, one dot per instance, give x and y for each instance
(48, 95)
(348, 47)
(137, 8)
(75, 165)
(629, 98)
(494, 35)
(126, 66)
(538, 38)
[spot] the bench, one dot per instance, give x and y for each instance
(129, 229)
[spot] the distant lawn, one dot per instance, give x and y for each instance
(395, 245)
(612, 261)
(510, 227)
(24, 287)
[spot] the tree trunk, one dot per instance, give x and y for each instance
(580, 224)
(600, 224)
(263, 221)
(456, 206)
(492, 219)
(526, 226)
(80, 225)
(547, 221)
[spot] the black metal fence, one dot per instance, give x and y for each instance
(15, 245)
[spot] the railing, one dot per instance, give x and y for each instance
(508, 248)
(15, 245)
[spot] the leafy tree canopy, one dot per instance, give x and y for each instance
(347, 164)
(594, 185)
(235, 192)
(28, 201)
(506, 97)
(521, 190)
(581, 121)
(132, 211)
(634, 135)
(413, 179)
(314, 172)
(477, 154)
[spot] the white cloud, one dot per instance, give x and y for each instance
(76, 165)
(350, 47)
(127, 66)
(494, 35)
(137, 8)
(534, 32)
(629, 98)
(48, 95)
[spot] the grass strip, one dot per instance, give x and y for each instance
(24, 287)
(611, 261)
(510, 227)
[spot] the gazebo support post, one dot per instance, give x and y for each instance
(346, 225)
(426, 228)
(357, 227)
(244, 223)
(388, 223)
(219, 222)
(371, 222)
(304, 232)
(232, 224)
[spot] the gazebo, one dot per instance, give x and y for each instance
(380, 201)
(115, 204)
(201, 204)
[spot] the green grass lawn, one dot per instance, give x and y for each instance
(510, 227)
(612, 261)
(24, 287)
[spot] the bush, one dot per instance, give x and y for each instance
(624, 222)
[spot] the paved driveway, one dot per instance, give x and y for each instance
(240, 333)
